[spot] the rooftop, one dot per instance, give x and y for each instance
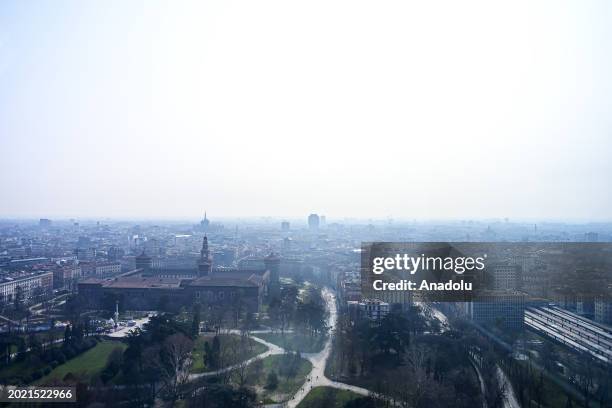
(135, 282)
(217, 281)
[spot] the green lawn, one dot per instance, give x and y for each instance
(327, 397)
(295, 341)
(18, 372)
(88, 364)
(287, 385)
(252, 349)
(21, 369)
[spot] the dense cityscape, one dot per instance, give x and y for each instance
(321, 204)
(271, 312)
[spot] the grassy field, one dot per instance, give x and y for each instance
(21, 369)
(87, 364)
(327, 397)
(227, 340)
(287, 385)
(295, 341)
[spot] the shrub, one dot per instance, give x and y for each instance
(69, 352)
(271, 381)
(15, 380)
(113, 365)
(54, 354)
(34, 360)
(90, 342)
(69, 377)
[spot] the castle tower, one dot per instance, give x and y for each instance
(272, 263)
(205, 261)
(143, 261)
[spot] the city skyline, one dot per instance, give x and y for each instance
(301, 221)
(535, 296)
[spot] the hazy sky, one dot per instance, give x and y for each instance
(416, 109)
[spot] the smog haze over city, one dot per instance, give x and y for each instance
(446, 110)
(349, 204)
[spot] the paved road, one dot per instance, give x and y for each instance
(510, 400)
(126, 330)
(317, 378)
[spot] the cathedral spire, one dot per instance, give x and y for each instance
(204, 223)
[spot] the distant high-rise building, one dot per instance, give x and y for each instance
(285, 226)
(65, 275)
(585, 305)
(44, 223)
(225, 256)
(322, 220)
(506, 276)
(28, 284)
(591, 237)
(500, 308)
(86, 254)
(286, 244)
(397, 299)
(603, 310)
(94, 268)
(115, 253)
(313, 221)
(372, 309)
(84, 242)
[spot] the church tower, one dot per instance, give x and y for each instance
(205, 261)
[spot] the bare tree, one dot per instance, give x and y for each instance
(495, 390)
(175, 364)
(241, 373)
(237, 307)
(584, 378)
(417, 362)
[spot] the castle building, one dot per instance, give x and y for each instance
(149, 288)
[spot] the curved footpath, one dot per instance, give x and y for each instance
(272, 350)
(316, 377)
